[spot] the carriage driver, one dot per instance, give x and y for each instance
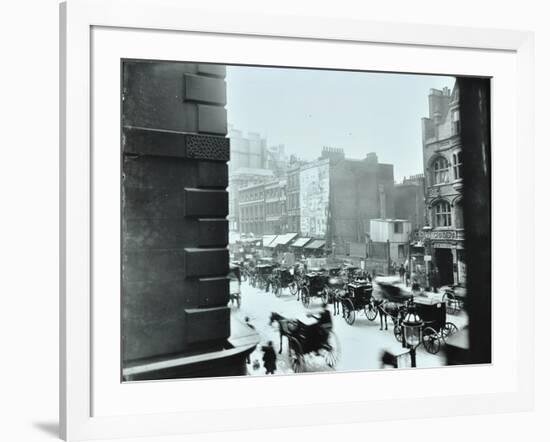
(324, 323)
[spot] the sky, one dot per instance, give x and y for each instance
(361, 112)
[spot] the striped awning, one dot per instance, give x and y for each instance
(268, 239)
(283, 240)
(273, 243)
(300, 242)
(315, 244)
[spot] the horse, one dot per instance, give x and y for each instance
(386, 308)
(284, 329)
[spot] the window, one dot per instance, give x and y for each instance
(457, 165)
(442, 214)
(440, 171)
(397, 227)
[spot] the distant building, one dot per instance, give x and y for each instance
(276, 160)
(409, 201)
(246, 151)
(442, 149)
(275, 207)
(262, 208)
(293, 195)
(244, 177)
(392, 235)
(252, 162)
(252, 209)
(339, 197)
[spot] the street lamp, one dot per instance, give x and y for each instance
(412, 330)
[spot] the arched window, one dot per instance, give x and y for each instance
(442, 214)
(440, 171)
(457, 165)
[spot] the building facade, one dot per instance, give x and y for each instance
(394, 234)
(262, 208)
(252, 162)
(293, 196)
(339, 196)
(442, 152)
(241, 178)
(252, 209)
(248, 151)
(275, 207)
(409, 201)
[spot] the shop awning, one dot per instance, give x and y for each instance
(268, 239)
(273, 243)
(300, 242)
(283, 240)
(315, 244)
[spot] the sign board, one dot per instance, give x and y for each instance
(427, 257)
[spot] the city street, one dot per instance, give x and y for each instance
(361, 343)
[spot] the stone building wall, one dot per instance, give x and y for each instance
(174, 206)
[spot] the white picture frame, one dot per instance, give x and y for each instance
(85, 398)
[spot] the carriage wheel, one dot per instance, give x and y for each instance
(293, 287)
(324, 296)
(348, 312)
(448, 330)
(431, 341)
(398, 332)
(296, 355)
(305, 296)
(371, 312)
(332, 350)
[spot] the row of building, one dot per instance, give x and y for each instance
(354, 205)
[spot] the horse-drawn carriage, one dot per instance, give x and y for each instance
(316, 340)
(283, 277)
(314, 284)
(358, 298)
(432, 312)
(349, 273)
(435, 327)
(262, 276)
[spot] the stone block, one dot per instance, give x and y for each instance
(209, 324)
(213, 292)
(212, 174)
(204, 89)
(213, 232)
(205, 203)
(212, 119)
(206, 262)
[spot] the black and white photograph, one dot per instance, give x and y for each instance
(281, 220)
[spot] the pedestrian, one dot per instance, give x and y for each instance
(407, 277)
(402, 273)
(269, 358)
(434, 279)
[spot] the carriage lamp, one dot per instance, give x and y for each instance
(412, 330)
